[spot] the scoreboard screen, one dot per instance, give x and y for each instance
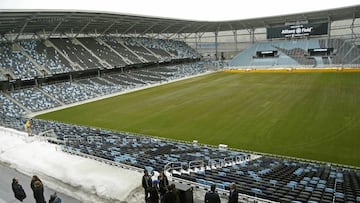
(300, 30)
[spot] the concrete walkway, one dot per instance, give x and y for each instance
(7, 195)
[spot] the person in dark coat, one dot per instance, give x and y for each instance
(212, 196)
(18, 190)
(54, 198)
(154, 193)
(163, 185)
(172, 195)
(146, 184)
(33, 179)
(233, 196)
(39, 192)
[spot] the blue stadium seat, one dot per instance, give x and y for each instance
(256, 191)
(309, 189)
(273, 182)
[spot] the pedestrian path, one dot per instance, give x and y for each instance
(7, 195)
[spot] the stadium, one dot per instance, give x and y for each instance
(270, 104)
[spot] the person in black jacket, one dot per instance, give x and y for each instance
(18, 190)
(212, 196)
(54, 198)
(146, 183)
(233, 196)
(39, 192)
(33, 180)
(163, 185)
(154, 194)
(172, 195)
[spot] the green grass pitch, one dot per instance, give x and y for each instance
(306, 115)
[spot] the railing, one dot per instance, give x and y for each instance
(222, 193)
(50, 136)
(102, 160)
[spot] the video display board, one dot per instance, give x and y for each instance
(300, 30)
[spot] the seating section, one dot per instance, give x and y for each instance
(140, 151)
(125, 148)
(135, 45)
(76, 53)
(9, 108)
(102, 51)
(344, 52)
(34, 99)
(155, 47)
(99, 86)
(121, 49)
(285, 181)
(295, 54)
(264, 177)
(53, 95)
(168, 48)
(67, 92)
(15, 63)
(47, 57)
(29, 58)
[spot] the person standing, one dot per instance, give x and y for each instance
(32, 183)
(39, 192)
(28, 127)
(146, 184)
(212, 196)
(38, 189)
(172, 195)
(18, 190)
(233, 196)
(163, 185)
(154, 194)
(54, 198)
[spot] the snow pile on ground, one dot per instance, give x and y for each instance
(34, 157)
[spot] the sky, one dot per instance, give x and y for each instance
(186, 9)
(93, 177)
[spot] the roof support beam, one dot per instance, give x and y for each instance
(198, 39)
(188, 35)
(83, 28)
(235, 40)
(162, 31)
(108, 28)
(200, 27)
(131, 27)
(22, 29)
(329, 27)
(353, 35)
(55, 28)
(216, 46)
(201, 34)
(148, 29)
(181, 29)
(252, 33)
(230, 26)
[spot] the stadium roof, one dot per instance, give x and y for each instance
(65, 21)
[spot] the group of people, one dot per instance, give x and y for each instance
(213, 197)
(37, 188)
(159, 189)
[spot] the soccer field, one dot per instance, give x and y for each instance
(307, 115)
